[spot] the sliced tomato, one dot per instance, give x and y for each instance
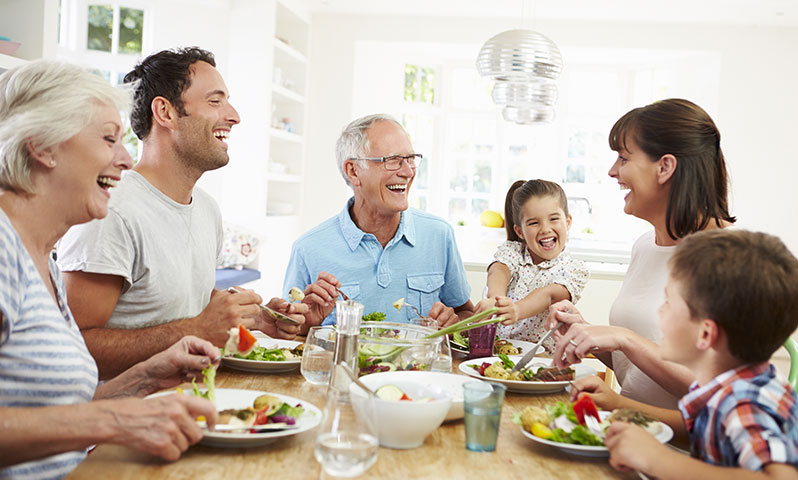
(245, 339)
(261, 418)
(584, 407)
(405, 397)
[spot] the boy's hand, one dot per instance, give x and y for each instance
(632, 448)
(603, 396)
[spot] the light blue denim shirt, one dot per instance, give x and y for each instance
(420, 263)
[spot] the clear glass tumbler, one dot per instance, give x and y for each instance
(317, 357)
(483, 409)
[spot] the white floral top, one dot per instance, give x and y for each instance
(525, 277)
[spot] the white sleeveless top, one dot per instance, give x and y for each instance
(43, 359)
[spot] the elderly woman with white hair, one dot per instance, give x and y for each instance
(60, 152)
(377, 249)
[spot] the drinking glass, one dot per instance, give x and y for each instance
(480, 341)
(317, 357)
(483, 408)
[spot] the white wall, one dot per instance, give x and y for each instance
(755, 112)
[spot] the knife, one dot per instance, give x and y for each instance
(531, 353)
(247, 428)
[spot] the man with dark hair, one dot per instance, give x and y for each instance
(143, 277)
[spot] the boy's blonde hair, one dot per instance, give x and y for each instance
(747, 282)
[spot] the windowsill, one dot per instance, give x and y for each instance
(605, 259)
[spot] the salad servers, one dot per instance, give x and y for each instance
(531, 353)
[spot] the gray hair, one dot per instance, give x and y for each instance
(354, 140)
(46, 103)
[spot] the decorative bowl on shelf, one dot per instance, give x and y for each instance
(8, 47)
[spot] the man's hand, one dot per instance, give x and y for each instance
(227, 310)
(280, 329)
(164, 426)
(320, 298)
(444, 315)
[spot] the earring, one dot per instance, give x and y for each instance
(52, 163)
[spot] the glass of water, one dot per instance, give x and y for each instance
(483, 409)
(317, 357)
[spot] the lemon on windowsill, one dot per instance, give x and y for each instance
(491, 219)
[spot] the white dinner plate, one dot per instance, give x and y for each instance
(524, 345)
(235, 398)
(520, 386)
(451, 383)
(664, 435)
(270, 367)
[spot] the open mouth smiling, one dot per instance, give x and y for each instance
(397, 187)
(106, 182)
(221, 135)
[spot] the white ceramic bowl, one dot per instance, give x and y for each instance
(405, 424)
(451, 383)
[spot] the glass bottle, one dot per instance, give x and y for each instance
(346, 445)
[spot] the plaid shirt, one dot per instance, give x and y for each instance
(746, 417)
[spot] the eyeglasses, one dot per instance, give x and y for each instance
(394, 162)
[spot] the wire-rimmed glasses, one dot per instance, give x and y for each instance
(394, 162)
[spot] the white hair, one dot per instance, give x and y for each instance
(354, 140)
(46, 103)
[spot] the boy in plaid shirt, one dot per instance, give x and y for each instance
(731, 300)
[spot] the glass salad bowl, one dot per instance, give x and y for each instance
(387, 346)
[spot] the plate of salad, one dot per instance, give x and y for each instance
(269, 355)
(511, 347)
(539, 377)
(241, 408)
(562, 425)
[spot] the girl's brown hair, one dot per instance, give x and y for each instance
(681, 128)
(520, 192)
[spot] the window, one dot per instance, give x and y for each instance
(471, 155)
(107, 37)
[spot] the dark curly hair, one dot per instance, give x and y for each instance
(164, 74)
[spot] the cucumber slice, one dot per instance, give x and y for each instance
(389, 392)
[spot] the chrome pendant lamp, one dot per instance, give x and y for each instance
(525, 65)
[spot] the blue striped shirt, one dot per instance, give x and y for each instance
(43, 358)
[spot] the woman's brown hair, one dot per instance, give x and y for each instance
(521, 191)
(699, 186)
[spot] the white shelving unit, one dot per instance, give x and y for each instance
(7, 62)
(288, 107)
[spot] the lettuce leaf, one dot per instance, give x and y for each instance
(562, 408)
(209, 379)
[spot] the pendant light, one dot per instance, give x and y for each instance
(525, 65)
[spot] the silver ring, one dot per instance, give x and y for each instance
(573, 343)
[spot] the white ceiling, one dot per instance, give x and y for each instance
(740, 12)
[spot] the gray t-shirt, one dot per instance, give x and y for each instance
(165, 251)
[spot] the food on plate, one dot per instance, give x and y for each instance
(272, 354)
(503, 371)
(373, 358)
(505, 347)
(565, 422)
(392, 393)
(296, 294)
(240, 341)
(265, 409)
(209, 379)
(374, 317)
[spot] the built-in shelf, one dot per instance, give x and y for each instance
(8, 62)
(284, 93)
(283, 177)
(281, 47)
(278, 134)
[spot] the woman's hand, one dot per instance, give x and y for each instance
(602, 395)
(164, 426)
(582, 338)
(563, 311)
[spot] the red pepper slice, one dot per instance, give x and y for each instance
(245, 339)
(583, 407)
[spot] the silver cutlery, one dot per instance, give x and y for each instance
(531, 353)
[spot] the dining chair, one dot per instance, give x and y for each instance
(792, 348)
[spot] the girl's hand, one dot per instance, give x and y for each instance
(507, 309)
(485, 304)
(601, 393)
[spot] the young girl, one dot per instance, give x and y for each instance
(532, 270)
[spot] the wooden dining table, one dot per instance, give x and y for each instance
(443, 454)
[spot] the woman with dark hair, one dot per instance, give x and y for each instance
(670, 161)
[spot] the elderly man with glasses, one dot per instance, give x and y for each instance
(377, 250)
